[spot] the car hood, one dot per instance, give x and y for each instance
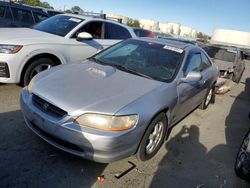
(24, 36)
(90, 87)
(223, 65)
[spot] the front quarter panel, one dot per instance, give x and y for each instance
(149, 105)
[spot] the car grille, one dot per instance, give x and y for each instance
(48, 107)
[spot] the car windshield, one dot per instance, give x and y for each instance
(147, 59)
(220, 53)
(58, 25)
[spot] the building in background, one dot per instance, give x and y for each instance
(116, 16)
(232, 37)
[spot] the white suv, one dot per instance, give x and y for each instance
(60, 39)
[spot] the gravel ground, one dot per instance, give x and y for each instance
(200, 151)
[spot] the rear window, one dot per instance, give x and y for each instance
(39, 17)
(23, 16)
(114, 31)
(2, 10)
(220, 53)
(143, 33)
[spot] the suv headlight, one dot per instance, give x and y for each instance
(10, 49)
(106, 122)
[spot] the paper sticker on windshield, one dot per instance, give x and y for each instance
(178, 50)
(75, 20)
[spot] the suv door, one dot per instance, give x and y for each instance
(81, 50)
(191, 94)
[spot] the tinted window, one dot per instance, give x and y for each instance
(94, 28)
(58, 25)
(220, 53)
(205, 61)
(2, 10)
(143, 33)
(113, 31)
(39, 17)
(146, 59)
(8, 14)
(193, 63)
(22, 16)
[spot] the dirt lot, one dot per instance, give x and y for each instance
(200, 151)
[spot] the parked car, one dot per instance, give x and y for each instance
(16, 15)
(143, 32)
(60, 39)
(242, 163)
(121, 101)
(229, 60)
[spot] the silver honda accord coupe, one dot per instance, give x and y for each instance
(120, 102)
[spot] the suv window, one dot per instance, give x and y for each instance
(194, 63)
(2, 10)
(23, 16)
(8, 14)
(39, 17)
(113, 31)
(95, 28)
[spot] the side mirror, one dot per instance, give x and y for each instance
(84, 36)
(192, 77)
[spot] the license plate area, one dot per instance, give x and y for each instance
(37, 120)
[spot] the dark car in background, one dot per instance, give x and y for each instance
(242, 163)
(143, 32)
(229, 59)
(16, 15)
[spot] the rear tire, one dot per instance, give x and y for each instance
(36, 67)
(209, 99)
(152, 138)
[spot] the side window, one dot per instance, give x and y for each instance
(39, 17)
(193, 63)
(23, 16)
(205, 61)
(114, 31)
(8, 14)
(96, 29)
(2, 10)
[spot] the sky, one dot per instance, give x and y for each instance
(202, 15)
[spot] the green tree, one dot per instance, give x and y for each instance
(77, 9)
(36, 3)
(133, 23)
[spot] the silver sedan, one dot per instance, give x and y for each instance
(121, 101)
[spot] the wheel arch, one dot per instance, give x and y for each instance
(52, 56)
(166, 112)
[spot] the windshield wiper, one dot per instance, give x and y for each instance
(97, 61)
(123, 68)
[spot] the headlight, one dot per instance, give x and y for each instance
(30, 86)
(106, 122)
(10, 49)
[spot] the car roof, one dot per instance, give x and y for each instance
(97, 18)
(173, 43)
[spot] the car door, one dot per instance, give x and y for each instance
(104, 35)
(191, 93)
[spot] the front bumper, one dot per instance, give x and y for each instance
(86, 142)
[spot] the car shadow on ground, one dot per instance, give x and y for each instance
(203, 167)
(28, 161)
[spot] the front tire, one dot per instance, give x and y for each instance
(153, 138)
(36, 67)
(210, 98)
